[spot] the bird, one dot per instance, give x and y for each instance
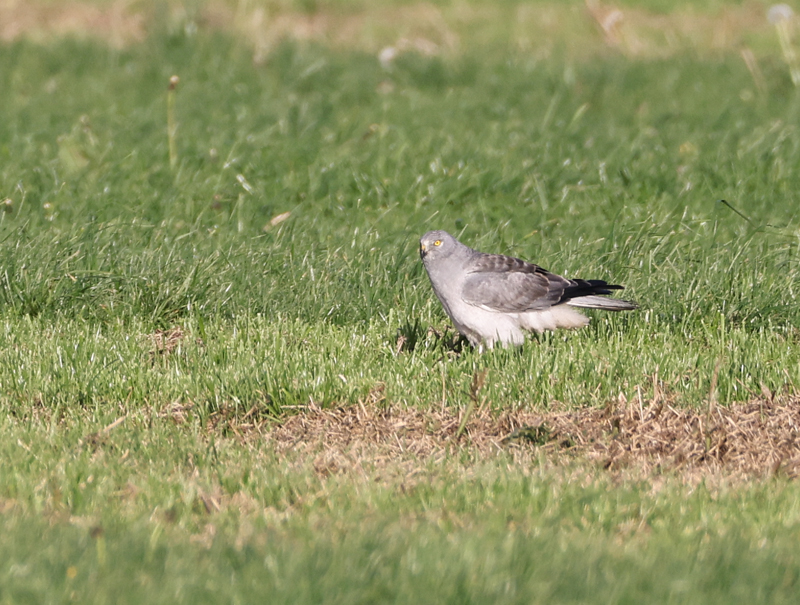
(493, 298)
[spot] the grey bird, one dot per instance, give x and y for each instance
(493, 298)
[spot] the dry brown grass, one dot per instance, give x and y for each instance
(119, 22)
(637, 32)
(757, 439)
(539, 28)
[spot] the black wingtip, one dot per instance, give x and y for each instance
(588, 287)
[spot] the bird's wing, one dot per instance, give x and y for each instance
(510, 285)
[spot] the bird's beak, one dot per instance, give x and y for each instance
(422, 250)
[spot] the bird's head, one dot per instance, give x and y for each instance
(437, 244)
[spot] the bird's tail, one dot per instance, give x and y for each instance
(601, 302)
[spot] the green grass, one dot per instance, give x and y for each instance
(466, 531)
(607, 167)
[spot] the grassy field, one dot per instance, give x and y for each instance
(178, 325)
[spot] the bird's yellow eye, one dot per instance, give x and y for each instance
(438, 242)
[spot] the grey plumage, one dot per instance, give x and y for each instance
(493, 298)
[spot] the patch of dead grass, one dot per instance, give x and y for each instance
(756, 439)
(421, 27)
(585, 29)
(540, 28)
(119, 23)
(638, 32)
